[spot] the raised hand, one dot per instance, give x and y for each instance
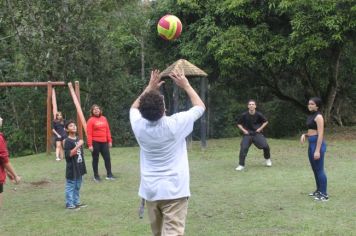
(180, 79)
(155, 80)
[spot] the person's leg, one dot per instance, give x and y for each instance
(320, 173)
(1, 190)
(58, 150)
(260, 142)
(61, 151)
(174, 216)
(69, 190)
(155, 217)
(95, 160)
(311, 150)
(244, 146)
(76, 193)
(105, 152)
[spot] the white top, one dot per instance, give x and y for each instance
(163, 153)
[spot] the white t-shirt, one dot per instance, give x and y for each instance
(163, 153)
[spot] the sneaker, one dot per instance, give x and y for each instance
(240, 168)
(313, 194)
(81, 205)
(110, 178)
(321, 197)
(75, 208)
(268, 162)
(96, 179)
(58, 159)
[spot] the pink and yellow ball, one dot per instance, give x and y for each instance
(169, 27)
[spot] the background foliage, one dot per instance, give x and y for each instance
(279, 52)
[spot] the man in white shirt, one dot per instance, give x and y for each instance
(163, 154)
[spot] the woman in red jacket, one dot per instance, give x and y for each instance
(99, 141)
(5, 165)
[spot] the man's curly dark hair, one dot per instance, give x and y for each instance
(152, 105)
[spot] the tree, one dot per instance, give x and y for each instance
(297, 49)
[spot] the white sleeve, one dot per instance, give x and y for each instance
(135, 115)
(185, 120)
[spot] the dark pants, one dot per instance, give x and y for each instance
(103, 148)
(318, 165)
(258, 140)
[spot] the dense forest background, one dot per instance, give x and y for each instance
(279, 52)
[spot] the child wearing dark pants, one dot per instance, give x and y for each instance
(75, 167)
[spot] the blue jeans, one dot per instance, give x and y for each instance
(72, 192)
(318, 165)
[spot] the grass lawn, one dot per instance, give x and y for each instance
(257, 201)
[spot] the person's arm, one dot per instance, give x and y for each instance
(262, 127)
(54, 130)
(182, 82)
(302, 138)
(108, 134)
(245, 131)
(11, 172)
(73, 151)
(90, 134)
(55, 133)
(320, 128)
(154, 84)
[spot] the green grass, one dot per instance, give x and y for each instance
(258, 201)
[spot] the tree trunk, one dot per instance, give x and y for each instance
(332, 86)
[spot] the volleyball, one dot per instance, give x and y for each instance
(169, 27)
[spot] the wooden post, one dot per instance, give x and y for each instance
(80, 125)
(49, 115)
(54, 103)
(77, 105)
(203, 89)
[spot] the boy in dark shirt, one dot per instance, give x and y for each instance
(75, 166)
(251, 123)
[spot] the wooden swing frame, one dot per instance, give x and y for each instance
(52, 104)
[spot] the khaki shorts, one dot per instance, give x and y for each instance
(167, 217)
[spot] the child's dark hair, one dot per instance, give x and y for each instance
(318, 102)
(152, 105)
(68, 123)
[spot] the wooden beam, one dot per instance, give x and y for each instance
(32, 84)
(49, 116)
(80, 125)
(77, 105)
(54, 103)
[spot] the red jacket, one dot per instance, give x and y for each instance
(98, 130)
(4, 158)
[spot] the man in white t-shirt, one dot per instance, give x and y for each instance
(163, 154)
